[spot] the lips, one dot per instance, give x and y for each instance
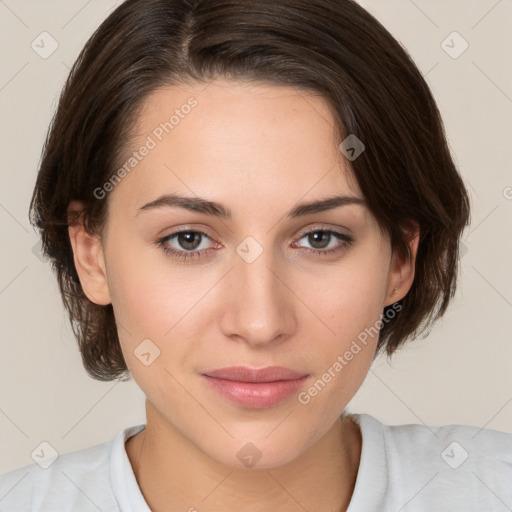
(255, 388)
(246, 374)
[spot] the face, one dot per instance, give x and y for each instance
(194, 291)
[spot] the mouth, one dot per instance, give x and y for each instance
(255, 388)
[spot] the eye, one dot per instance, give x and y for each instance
(187, 241)
(321, 239)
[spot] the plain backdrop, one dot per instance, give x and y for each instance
(460, 374)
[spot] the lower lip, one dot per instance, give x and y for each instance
(255, 395)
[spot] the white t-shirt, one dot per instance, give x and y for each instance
(409, 468)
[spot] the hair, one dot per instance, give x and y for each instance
(331, 48)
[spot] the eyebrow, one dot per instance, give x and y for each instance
(198, 204)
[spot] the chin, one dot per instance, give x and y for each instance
(254, 455)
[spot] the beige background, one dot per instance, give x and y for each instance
(460, 374)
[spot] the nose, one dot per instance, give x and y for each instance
(260, 306)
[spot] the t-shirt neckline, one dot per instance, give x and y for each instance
(122, 478)
(370, 487)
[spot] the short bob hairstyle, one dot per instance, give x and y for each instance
(331, 48)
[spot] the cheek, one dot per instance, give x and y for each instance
(144, 292)
(350, 296)
(155, 299)
(349, 303)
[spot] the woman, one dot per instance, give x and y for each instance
(245, 204)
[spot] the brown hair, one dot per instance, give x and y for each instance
(333, 48)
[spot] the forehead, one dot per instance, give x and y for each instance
(255, 139)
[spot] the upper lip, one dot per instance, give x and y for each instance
(246, 374)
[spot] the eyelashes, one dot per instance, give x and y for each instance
(190, 236)
(183, 254)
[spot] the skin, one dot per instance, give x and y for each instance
(259, 150)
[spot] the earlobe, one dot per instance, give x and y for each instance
(401, 272)
(89, 260)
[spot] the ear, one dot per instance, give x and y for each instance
(88, 258)
(401, 268)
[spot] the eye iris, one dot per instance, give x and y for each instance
(189, 240)
(319, 236)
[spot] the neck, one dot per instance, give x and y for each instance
(173, 474)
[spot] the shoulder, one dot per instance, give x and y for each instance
(77, 480)
(454, 445)
(450, 467)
